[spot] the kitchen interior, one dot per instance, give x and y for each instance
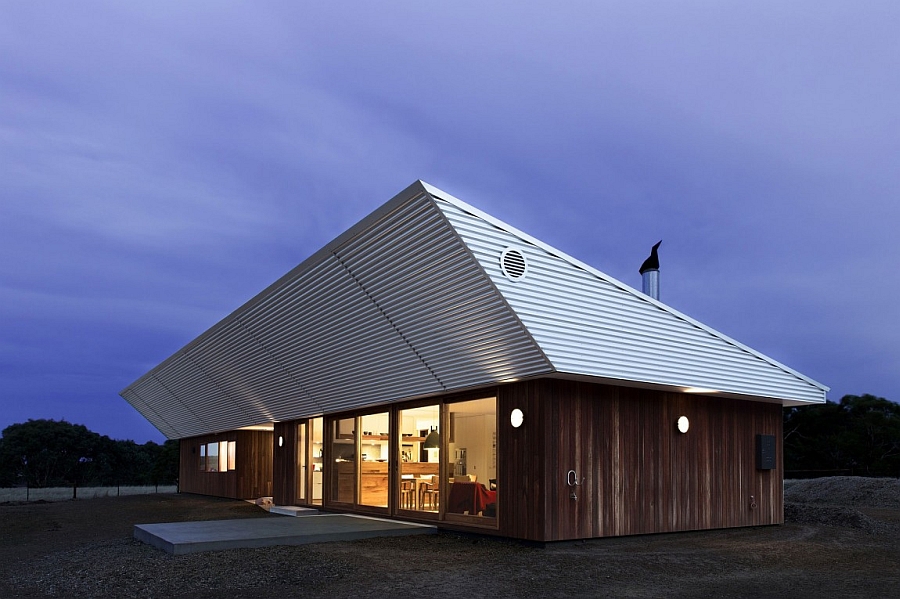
(471, 458)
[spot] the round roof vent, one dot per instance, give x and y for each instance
(513, 264)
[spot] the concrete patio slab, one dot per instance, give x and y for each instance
(179, 538)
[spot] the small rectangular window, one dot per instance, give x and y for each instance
(218, 456)
(223, 456)
(212, 457)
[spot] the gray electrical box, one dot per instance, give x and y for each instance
(765, 452)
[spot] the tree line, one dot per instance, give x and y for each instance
(859, 436)
(51, 453)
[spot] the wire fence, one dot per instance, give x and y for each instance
(26, 494)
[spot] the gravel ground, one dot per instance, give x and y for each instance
(841, 540)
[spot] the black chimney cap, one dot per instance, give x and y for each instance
(651, 263)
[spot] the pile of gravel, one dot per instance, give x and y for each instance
(847, 491)
(837, 501)
(832, 515)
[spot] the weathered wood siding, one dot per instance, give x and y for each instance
(251, 478)
(640, 475)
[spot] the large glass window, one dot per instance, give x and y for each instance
(420, 458)
(472, 475)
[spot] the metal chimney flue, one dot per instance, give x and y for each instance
(650, 273)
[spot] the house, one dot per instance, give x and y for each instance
(435, 364)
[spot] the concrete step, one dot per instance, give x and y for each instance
(293, 510)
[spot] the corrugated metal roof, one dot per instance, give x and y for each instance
(395, 308)
(411, 302)
(592, 325)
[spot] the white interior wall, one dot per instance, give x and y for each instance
(475, 434)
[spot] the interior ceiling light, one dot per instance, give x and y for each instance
(433, 440)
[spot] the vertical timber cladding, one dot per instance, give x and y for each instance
(251, 478)
(284, 463)
(254, 464)
(521, 462)
(637, 474)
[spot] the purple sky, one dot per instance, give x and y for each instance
(160, 164)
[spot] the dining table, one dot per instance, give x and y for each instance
(469, 497)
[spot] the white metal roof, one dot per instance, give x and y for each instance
(411, 302)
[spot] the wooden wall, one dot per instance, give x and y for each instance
(251, 478)
(637, 473)
(640, 475)
(284, 475)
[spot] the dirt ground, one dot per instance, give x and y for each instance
(842, 539)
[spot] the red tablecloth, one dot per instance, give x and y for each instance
(469, 496)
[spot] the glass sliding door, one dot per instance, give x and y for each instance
(373, 459)
(420, 458)
(343, 460)
(310, 455)
(317, 459)
(471, 478)
(358, 465)
(302, 462)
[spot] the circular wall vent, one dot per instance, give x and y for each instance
(513, 264)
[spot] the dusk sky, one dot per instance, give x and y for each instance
(163, 162)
